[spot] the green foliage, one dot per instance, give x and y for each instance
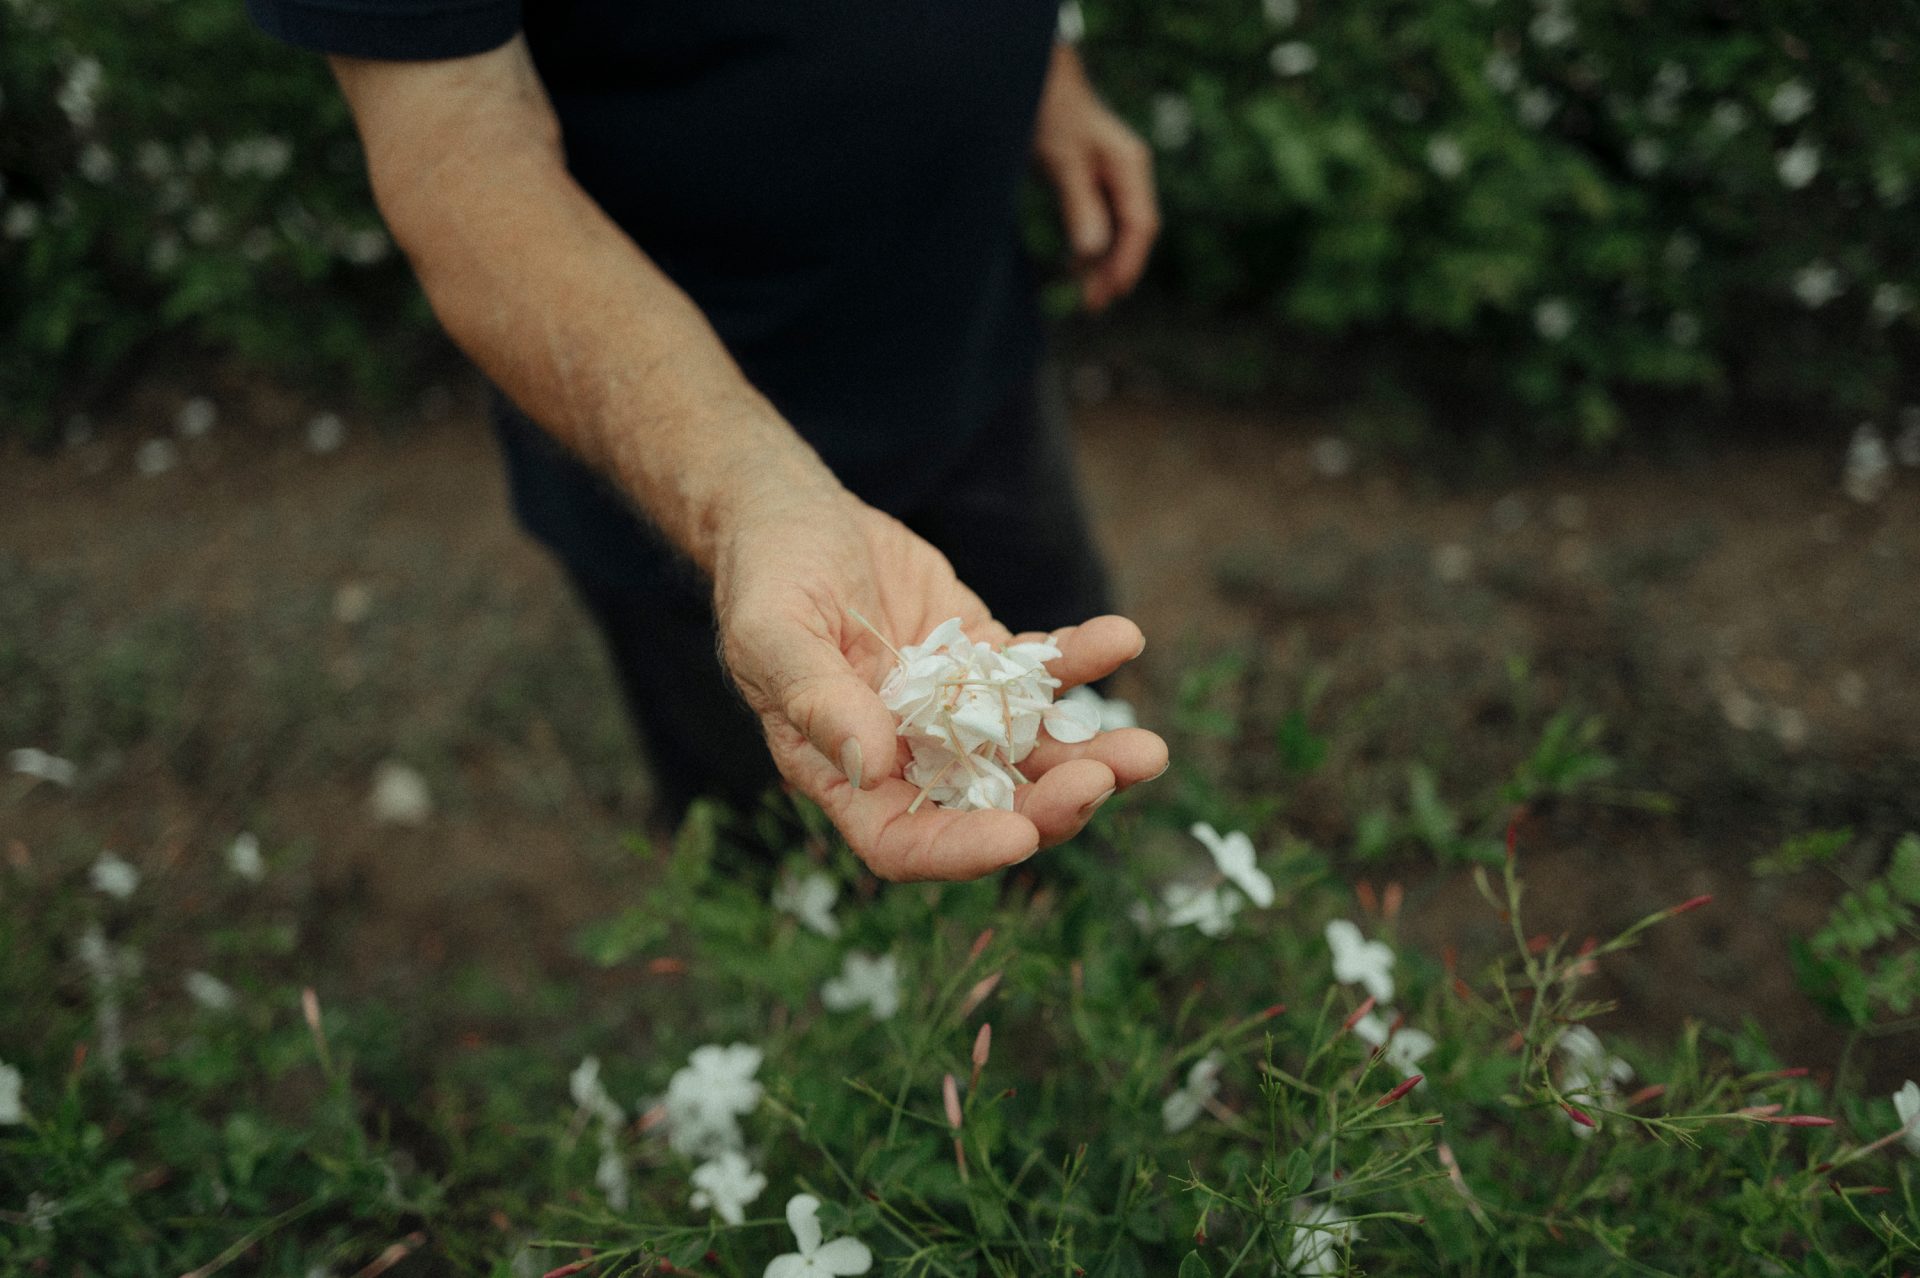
(1550, 206)
(167, 1134)
(204, 186)
(1864, 962)
(1558, 203)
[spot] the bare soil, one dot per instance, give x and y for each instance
(240, 642)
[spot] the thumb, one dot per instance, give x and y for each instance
(1083, 209)
(820, 694)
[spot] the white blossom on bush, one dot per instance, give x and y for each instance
(1358, 961)
(30, 761)
(210, 992)
(1906, 1103)
(1790, 102)
(1798, 165)
(1172, 121)
(1553, 318)
(244, 859)
(1592, 1075)
(1281, 13)
(12, 1110)
(196, 417)
(79, 95)
(1320, 1232)
(1817, 283)
(706, 1098)
(1183, 1107)
(1211, 909)
(114, 876)
(1446, 157)
(810, 899)
(155, 457)
(865, 981)
(1294, 57)
(726, 1184)
(840, 1258)
(1536, 106)
(1868, 472)
(1403, 1048)
(1233, 855)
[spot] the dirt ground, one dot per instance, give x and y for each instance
(241, 642)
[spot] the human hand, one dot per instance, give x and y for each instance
(1103, 175)
(786, 587)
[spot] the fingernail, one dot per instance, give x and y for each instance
(853, 762)
(1094, 806)
(1162, 772)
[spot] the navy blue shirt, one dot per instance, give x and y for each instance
(834, 184)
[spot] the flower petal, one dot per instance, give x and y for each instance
(803, 1212)
(844, 1256)
(1071, 722)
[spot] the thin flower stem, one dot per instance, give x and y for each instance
(875, 632)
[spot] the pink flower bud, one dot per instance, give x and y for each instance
(1579, 1116)
(950, 1093)
(1691, 903)
(1802, 1120)
(978, 994)
(982, 1044)
(1398, 1092)
(980, 944)
(1359, 1014)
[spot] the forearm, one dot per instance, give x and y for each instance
(559, 307)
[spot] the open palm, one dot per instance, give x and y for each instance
(787, 596)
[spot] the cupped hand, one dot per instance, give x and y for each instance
(787, 589)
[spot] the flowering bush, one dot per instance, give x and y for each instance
(1560, 200)
(1043, 1076)
(165, 171)
(1552, 201)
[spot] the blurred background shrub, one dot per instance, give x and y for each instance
(1543, 213)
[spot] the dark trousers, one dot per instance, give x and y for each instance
(1009, 518)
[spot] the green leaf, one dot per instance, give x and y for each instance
(1194, 1267)
(1300, 750)
(1903, 875)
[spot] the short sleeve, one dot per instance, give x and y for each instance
(392, 30)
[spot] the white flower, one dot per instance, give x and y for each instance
(153, 160)
(399, 795)
(610, 1173)
(1890, 302)
(726, 1184)
(97, 164)
(244, 858)
(707, 1096)
(1446, 157)
(1537, 106)
(1331, 457)
(366, 247)
(809, 899)
(210, 991)
(970, 713)
(1502, 72)
(1906, 1103)
(164, 253)
(1798, 165)
(865, 981)
(1790, 102)
(1553, 26)
(41, 766)
(1115, 713)
(1357, 960)
(1211, 909)
(196, 417)
(1592, 1073)
(79, 95)
(1646, 156)
(325, 434)
(1295, 57)
(1452, 562)
(1817, 283)
(1070, 24)
(1320, 1231)
(155, 457)
(1172, 126)
(842, 1256)
(1869, 469)
(1183, 1107)
(1233, 854)
(22, 220)
(1281, 13)
(591, 1095)
(114, 876)
(262, 157)
(1404, 1048)
(1553, 318)
(205, 224)
(12, 1111)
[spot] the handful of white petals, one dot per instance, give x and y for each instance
(970, 713)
